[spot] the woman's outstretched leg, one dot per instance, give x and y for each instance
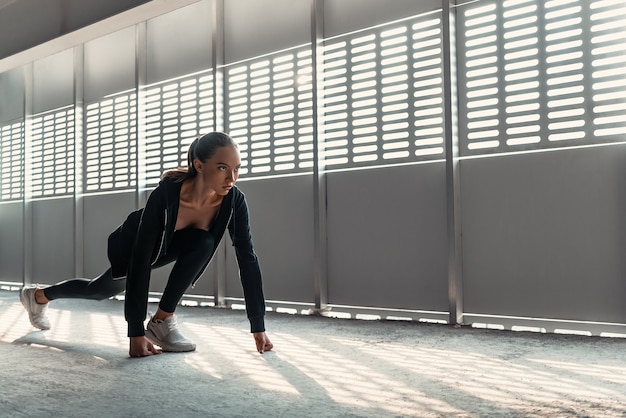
(102, 287)
(35, 299)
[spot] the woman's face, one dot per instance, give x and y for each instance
(221, 171)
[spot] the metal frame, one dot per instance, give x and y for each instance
(79, 108)
(453, 170)
(27, 204)
(320, 274)
(141, 77)
(219, 274)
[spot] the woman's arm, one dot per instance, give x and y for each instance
(249, 269)
(149, 234)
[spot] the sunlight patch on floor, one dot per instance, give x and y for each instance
(500, 382)
(348, 382)
(45, 347)
(612, 374)
(60, 325)
(14, 323)
(206, 364)
(107, 330)
(65, 327)
(238, 348)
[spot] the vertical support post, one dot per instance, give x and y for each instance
(219, 122)
(27, 214)
(453, 172)
(320, 276)
(79, 106)
(141, 76)
(219, 100)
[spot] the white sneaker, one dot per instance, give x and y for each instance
(166, 335)
(36, 312)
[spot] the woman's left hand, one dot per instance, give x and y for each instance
(263, 343)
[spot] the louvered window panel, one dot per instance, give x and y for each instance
(177, 111)
(537, 74)
(479, 63)
(110, 149)
(383, 95)
(566, 94)
(270, 112)
(51, 154)
(11, 161)
(608, 60)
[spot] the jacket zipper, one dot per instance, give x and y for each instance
(162, 240)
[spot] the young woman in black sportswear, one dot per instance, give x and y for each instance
(183, 221)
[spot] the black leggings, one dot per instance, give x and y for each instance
(190, 249)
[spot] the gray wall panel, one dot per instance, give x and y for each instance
(544, 234)
(11, 95)
(343, 16)
(257, 27)
(53, 240)
(53, 81)
(281, 218)
(158, 278)
(110, 64)
(387, 237)
(204, 285)
(180, 42)
(102, 214)
(11, 242)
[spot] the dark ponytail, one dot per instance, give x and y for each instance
(202, 148)
(191, 155)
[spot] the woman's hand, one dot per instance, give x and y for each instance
(263, 343)
(142, 347)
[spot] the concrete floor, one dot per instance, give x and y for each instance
(320, 367)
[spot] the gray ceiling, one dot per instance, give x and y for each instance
(27, 23)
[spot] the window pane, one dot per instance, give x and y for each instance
(11, 161)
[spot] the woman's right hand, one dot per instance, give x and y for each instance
(142, 347)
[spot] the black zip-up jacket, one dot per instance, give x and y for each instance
(147, 233)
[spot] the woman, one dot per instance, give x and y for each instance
(183, 222)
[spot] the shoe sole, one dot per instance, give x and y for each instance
(166, 347)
